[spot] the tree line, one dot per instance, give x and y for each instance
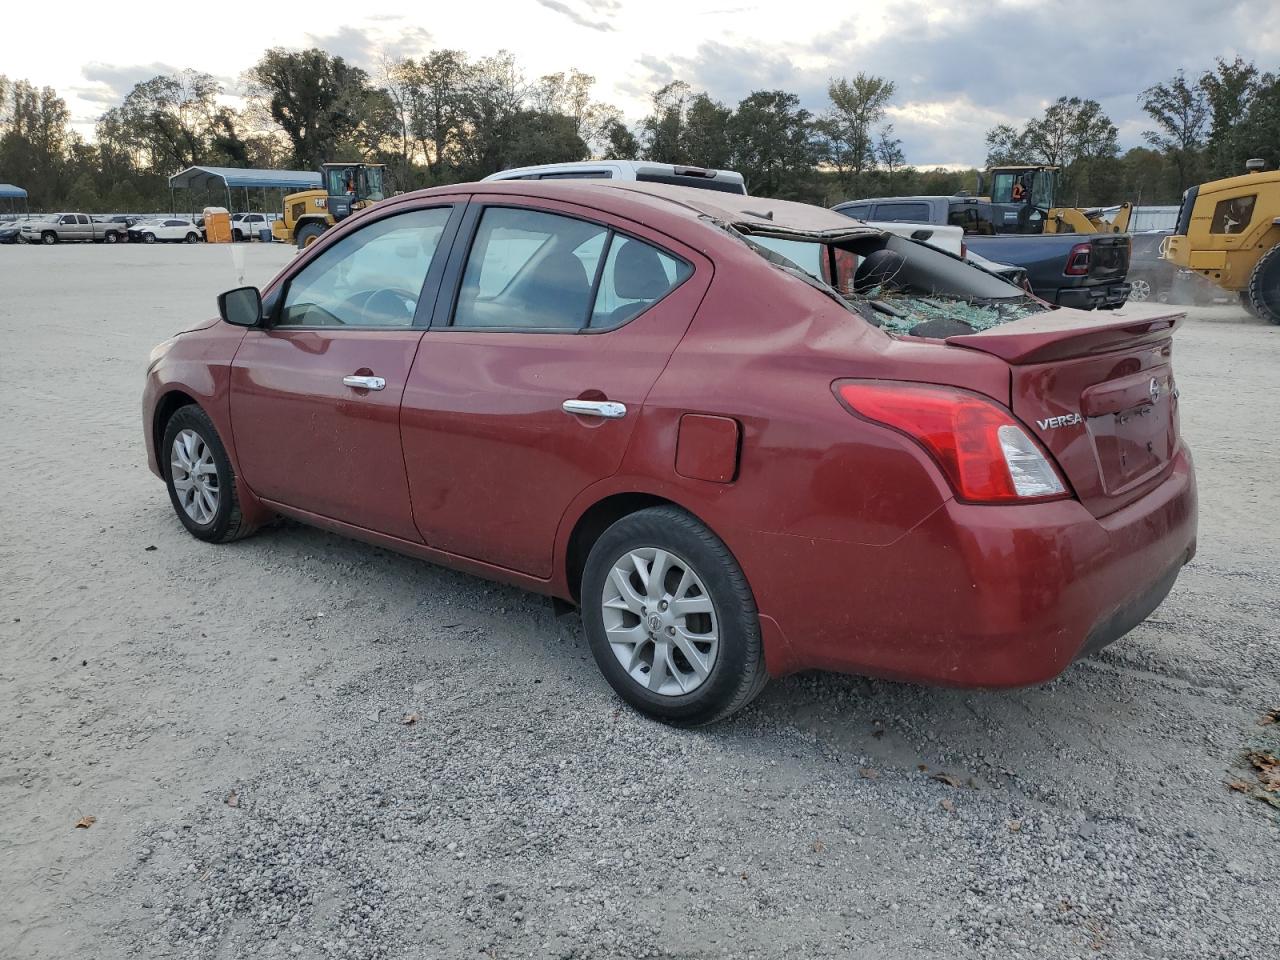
(447, 117)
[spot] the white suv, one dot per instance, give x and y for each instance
(644, 171)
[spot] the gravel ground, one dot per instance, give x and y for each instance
(300, 746)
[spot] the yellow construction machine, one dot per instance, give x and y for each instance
(1025, 194)
(347, 187)
(1229, 232)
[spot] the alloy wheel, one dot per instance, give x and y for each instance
(1139, 290)
(660, 621)
(195, 476)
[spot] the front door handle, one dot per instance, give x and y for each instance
(595, 408)
(364, 383)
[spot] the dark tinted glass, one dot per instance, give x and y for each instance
(903, 212)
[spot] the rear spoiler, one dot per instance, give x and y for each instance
(1060, 335)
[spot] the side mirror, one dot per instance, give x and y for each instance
(241, 306)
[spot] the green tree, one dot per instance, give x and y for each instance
(317, 100)
(848, 128)
(662, 131)
(168, 121)
(1229, 89)
(34, 140)
(773, 142)
(1180, 110)
(621, 143)
(705, 136)
(538, 136)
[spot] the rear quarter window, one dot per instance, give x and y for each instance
(903, 212)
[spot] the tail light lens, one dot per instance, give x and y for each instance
(1078, 261)
(986, 455)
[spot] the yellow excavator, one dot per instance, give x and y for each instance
(1229, 232)
(347, 187)
(1022, 197)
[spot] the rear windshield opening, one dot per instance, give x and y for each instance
(902, 285)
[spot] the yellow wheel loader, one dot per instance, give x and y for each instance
(1023, 198)
(347, 187)
(1229, 232)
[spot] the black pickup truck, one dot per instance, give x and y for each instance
(1070, 269)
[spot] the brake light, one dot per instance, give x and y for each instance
(983, 451)
(964, 250)
(1078, 261)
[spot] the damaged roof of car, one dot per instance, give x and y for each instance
(761, 216)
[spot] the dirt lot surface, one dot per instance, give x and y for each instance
(233, 719)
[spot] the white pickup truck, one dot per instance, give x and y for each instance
(72, 228)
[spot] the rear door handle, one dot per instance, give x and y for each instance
(364, 383)
(595, 408)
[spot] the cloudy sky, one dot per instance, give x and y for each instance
(960, 67)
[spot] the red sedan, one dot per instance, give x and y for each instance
(744, 436)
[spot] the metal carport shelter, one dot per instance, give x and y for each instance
(206, 178)
(11, 193)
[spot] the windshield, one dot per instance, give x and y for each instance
(901, 285)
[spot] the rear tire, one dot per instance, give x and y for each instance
(713, 665)
(193, 238)
(200, 478)
(1264, 286)
(308, 234)
(1248, 304)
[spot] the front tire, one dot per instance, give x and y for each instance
(1141, 289)
(110, 238)
(48, 238)
(308, 234)
(148, 238)
(1264, 286)
(200, 478)
(670, 618)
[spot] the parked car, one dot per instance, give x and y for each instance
(11, 233)
(248, 226)
(746, 436)
(1070, 269)
(70, 228)
(637, 171)
(170, 229)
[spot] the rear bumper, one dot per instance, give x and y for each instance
(1105, 297)
(976, 596)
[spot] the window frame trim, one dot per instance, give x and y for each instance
(451, 285)
(430, 283)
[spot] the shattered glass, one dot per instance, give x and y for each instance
(901, 312)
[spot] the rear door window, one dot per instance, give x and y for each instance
(530, 269)
(860, 212)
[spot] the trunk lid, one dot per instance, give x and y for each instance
(1099, 395)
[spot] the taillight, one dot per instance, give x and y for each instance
(984, 452)
(1078, 261)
